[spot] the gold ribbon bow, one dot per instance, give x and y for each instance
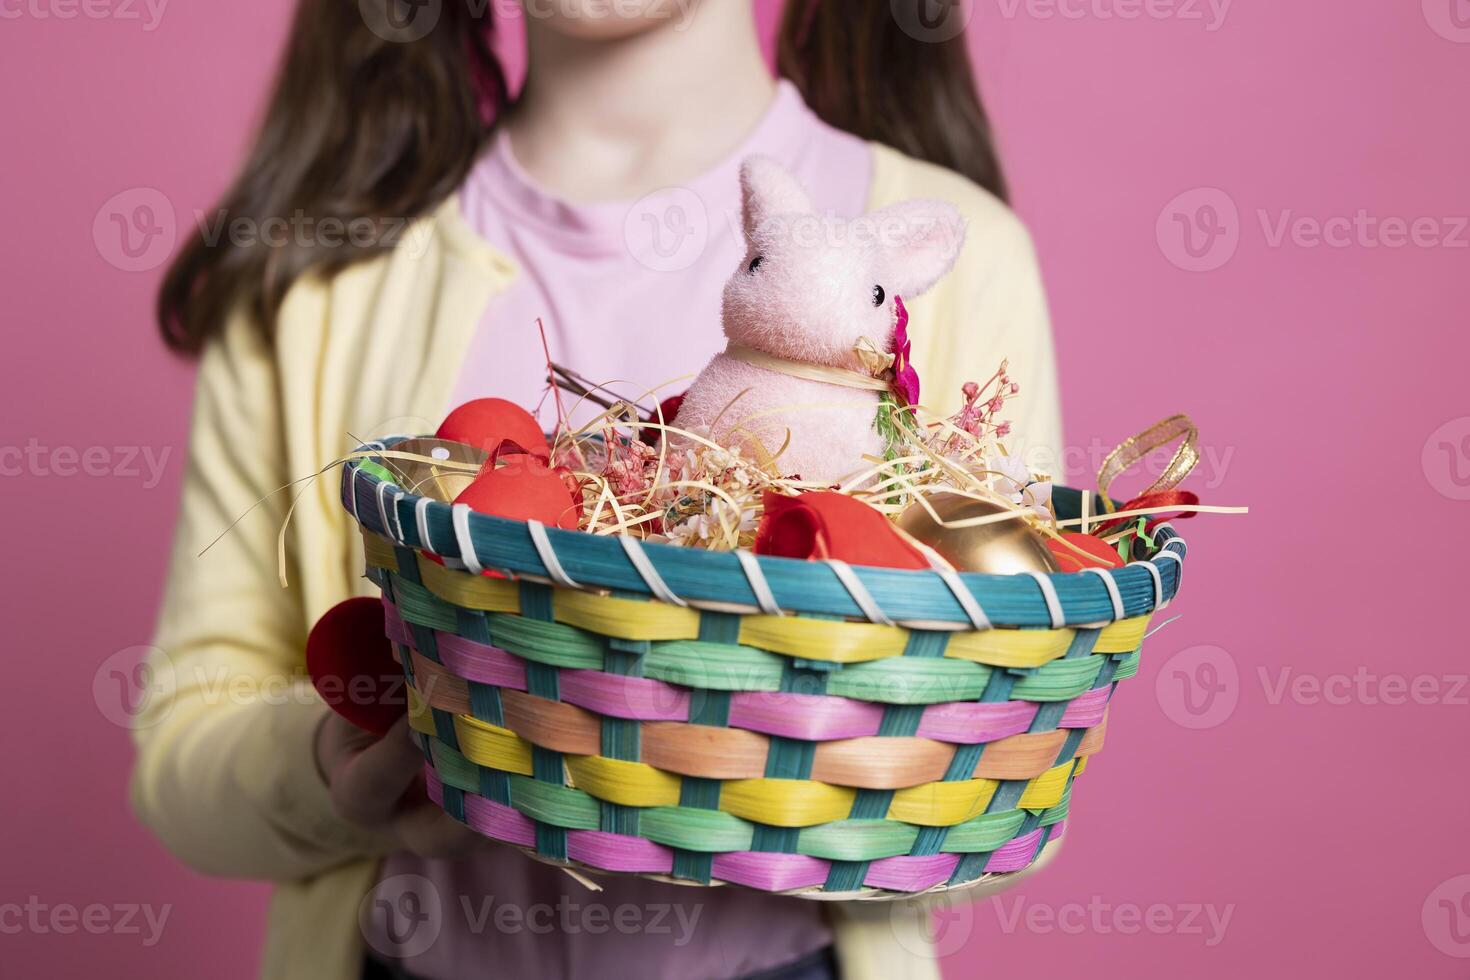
(1174, 428)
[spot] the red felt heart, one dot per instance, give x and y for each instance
(1100, 554)
(822, 524)
(522, 488)
(350, 660)
(488, 423)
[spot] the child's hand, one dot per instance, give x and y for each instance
(377, 784)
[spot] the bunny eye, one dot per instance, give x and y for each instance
(879, 295)
(755, 263)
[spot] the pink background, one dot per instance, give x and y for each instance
(1331, 827)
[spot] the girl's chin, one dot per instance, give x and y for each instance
(600, 20)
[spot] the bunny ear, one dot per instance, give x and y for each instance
(921, 240)
(768, 189)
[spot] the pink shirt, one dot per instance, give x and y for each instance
(628, 293)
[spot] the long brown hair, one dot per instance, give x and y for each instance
(370, 123)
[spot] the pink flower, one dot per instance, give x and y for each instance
(905, 378)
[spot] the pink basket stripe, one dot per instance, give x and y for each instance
(911, 873)
(478, 662)
(616, 852)
(971, 722)
(1086, 709)
(504, 823)
(394, 625)
(624, 697)
(817, 717)
(770, 871)
(1019, 853)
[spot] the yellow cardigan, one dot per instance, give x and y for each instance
(224, 772)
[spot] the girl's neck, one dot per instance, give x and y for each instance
(602, 120)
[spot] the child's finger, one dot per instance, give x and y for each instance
(367, 788)
(428, 832)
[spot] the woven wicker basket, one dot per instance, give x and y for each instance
(707, 717)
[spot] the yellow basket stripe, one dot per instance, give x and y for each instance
(629, 619)
(776, 802)
(492, 746)
(620, 781)
(1124, 636)
(379, 552)
(942, 804)
(823, 639)
(834, 641)
(1046, 790)
(1081, 765)
(470, 591)
(1010, 647)
(420, 718)
(786, 802)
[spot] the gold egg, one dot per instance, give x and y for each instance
(1000, 548)
(435, 474)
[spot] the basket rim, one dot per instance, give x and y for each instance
(745, 583)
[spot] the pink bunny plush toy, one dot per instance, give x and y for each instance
(816, 327)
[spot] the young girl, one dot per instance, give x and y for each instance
(601, 201)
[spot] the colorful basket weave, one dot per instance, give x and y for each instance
(790, 726)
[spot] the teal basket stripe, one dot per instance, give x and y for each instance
(799, 586)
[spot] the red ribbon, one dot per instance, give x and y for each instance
(1162, 498)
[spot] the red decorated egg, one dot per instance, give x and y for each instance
(822, 524)
(494, 424)
(1096, 553)
(350, 660)
(523, 488)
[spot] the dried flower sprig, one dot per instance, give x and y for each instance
(690, 490)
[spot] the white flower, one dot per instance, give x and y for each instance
(1009, 477)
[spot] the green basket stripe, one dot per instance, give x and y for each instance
(1058, 813)
(714, 831)
(857, 840)
(693, 829)
(714, 666)
(984, 833)
(541, 641)
(561, 806)
(454, 769)
(1059, 680)
(417, 605)
(730, 667)
(911, 680)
